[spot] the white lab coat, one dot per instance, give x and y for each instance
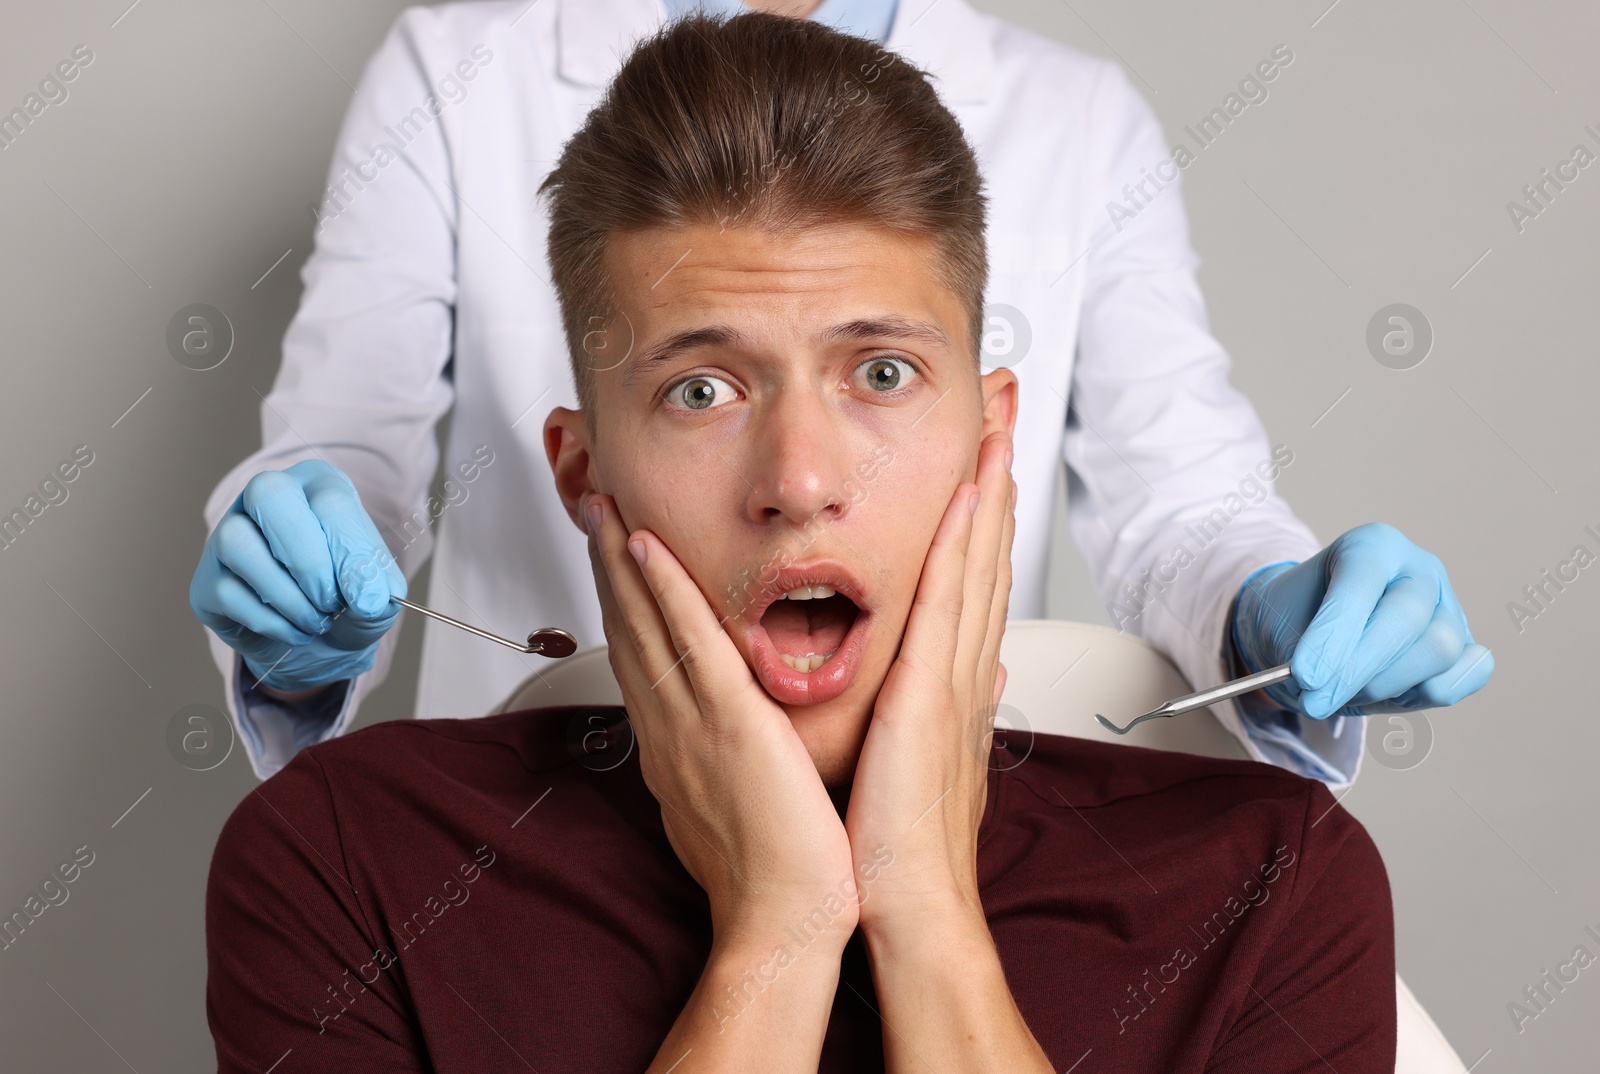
(429, 289)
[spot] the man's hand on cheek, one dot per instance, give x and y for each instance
(920, 783)
(741, 799)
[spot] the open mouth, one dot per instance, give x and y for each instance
(808, 639)
(807, 624)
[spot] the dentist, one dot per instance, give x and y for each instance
(427, 294)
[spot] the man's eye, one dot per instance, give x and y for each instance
(700, 393)
(885, 374)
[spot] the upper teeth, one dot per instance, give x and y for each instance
(808, 592)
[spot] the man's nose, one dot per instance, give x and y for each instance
(800, 461)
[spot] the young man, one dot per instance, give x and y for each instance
(796, 488)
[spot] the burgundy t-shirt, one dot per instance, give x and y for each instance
(498, 894)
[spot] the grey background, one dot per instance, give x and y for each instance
(182, 166)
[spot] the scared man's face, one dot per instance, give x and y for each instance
(792, 416)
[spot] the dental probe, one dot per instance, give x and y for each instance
(546, 641)
(1201, 698)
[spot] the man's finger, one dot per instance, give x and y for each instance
(624, 661)
(983, 550)
(620, 588)
(1001, 600)
(713, 665)
(933, 628)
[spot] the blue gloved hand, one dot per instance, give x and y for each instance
(296, 578)
(1368, 625)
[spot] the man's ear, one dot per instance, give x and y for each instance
(567, 446)
(999, 403)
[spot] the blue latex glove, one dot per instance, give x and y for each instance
(296, 578)
(1368, 625)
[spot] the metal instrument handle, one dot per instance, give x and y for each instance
(546, 641)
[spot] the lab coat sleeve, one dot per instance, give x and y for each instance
(1169, 468)
(365, 374)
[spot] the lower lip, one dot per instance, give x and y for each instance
(790, 687)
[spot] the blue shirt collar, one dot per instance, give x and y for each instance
(864, 18)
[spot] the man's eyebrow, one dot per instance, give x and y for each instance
(722, 336)
(717, 335)
(888, 328)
